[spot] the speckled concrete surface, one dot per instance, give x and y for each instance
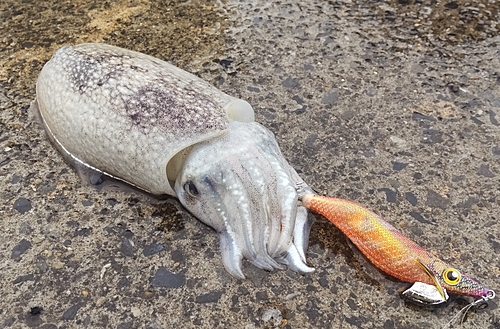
(394, 104)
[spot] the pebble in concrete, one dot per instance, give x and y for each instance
(152, 249)
(166, 279)
(70, 313)
(211, 297)
(272, 317)
(20, 249)
(22, 205)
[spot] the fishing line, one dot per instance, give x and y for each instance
(465, 309)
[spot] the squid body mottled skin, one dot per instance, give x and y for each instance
(166, 131)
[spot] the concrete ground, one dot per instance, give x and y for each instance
(393, 103)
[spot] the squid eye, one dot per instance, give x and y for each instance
(191, 189)
(451, 276)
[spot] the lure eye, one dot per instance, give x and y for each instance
(451, 276)
(191, 189)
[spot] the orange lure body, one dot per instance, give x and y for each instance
(391, 251)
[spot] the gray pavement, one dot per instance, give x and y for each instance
(394, 104)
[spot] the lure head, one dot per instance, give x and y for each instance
(444, 279)
(455, 282)
(240, 184)
(450, 279)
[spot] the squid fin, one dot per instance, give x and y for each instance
(439, 288)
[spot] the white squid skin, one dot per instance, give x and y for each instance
(166, 131)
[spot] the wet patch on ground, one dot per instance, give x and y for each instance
(450, 22)
(181, 32)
